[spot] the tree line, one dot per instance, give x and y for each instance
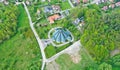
(8, 21)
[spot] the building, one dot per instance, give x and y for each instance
(48, 9)
(51, 19)
(61, 35)
(112, 6)
(75, 2)
(105, 8)
(85, 1)
(56, 8)
(1, 0)
(78, 20)
(117, 4)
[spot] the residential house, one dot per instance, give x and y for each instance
(56, 8)
(100, 1)
(117, 4)
(48, 9)
(105, 8)
(5, 2)
(78, 20)
(64, 13)
(52, 18)
(111, 0)
(75, 2)
(85, 1)
(1, 0)
(112, 6)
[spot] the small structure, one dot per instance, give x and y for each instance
(78, 20)
(38, 12)
(60, 36)
(56, 8)
(51, 19)
(48, 9)
(100, 1)
(64, 13)
(117, 4)
(85, 1)
(111, 0)
(5, 2)
(105, 8)
(27, 2)
(75, 2)
(112, 6)
(1, 0)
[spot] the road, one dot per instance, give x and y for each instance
(70, 3)
(36, 36)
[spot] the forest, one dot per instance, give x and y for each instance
(101, 32)
(100, 35)
(8, 21)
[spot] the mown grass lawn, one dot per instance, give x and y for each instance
(65, 5)
(21, 52)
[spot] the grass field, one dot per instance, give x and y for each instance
(21, 52)
(66, 63)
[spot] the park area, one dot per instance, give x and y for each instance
(44, 30)
(43, 26)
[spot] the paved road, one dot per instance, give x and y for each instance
(70, 3)
(36, 35)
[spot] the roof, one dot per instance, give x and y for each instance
(53, 18)
(85, 1)
(105, 8)
(61, 35)
(48, 9)
(56, 8)
(117, 4)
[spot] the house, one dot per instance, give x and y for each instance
(100, 1)
(105, 8)
(85, 1)
(112, 6)
(1, 0)
(52, 18)
(48, 9)
(56, 8)
(75, 2)
(5, 2)
(27, 2)
(78, 20)
(111, 0)
(117, 4)
(65, 13)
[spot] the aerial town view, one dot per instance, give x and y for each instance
(59, 34)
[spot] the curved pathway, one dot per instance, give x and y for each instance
(36, 35)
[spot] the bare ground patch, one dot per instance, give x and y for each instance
(52, 66)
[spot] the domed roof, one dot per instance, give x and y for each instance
(61, 35)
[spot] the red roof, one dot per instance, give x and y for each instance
(53, 18)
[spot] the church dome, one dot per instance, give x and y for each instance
(61, 35)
